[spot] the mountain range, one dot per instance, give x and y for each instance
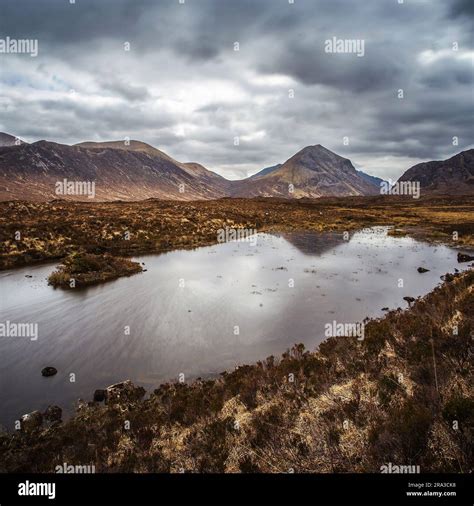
(312, 172)
(135, 170)
(452, 176)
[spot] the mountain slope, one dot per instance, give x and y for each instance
(137, 171)
(9, 140)
(120, 172)
(219, 185)
(376, 181)
(454, 176)
(130, 146)
(266, 171)
(315, 171)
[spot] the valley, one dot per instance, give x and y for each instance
(32, 232)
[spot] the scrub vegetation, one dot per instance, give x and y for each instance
(402, 395)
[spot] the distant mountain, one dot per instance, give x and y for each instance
(137, 171)
(265, 171)
(9, 140)
(376, 181)
(313, 172)
(120, 172)
(216, 184)
(128, 146)
(454, 176)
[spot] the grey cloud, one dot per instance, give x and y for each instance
(462, 8)
(184, 89)
(448, 73)
(126, 90)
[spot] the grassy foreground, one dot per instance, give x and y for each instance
(401, 396)
(38, 232)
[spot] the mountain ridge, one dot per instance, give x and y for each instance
(9, 140)
(454, 176)
(135, 170)
(314, 171)
(31, 172)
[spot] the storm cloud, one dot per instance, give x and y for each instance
(190, 78)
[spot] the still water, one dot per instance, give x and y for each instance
(200, 312)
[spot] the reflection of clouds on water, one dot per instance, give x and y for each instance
(190, 329)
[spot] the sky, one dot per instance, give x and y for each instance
(192, 78)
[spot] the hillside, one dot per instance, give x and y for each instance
(8, 140)
(120, 172)
(454, 176)
(312, 172)
(138, 171)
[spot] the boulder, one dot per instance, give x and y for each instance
(99, 395)
(409, 299)
(49, 371)
(462, 257)
(31, 421)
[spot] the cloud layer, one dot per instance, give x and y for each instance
(169, 74)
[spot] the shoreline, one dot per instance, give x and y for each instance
(54, 231)
(388, 372)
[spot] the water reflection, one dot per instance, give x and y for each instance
(313, 244)
(201, 312)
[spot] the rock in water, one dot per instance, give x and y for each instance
(99, 395)
(462, 257)
(31, 421)
(421, 270)
(409, 299)
(49, 371)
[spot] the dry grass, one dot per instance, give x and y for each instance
(51, 231)
(83, 269)
(352, 406)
